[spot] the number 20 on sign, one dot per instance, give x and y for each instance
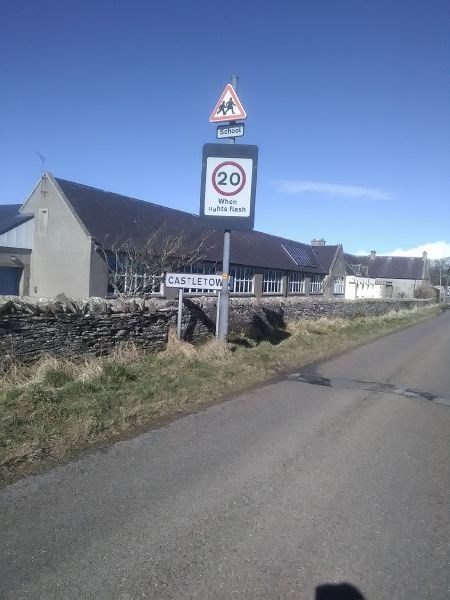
(228, 186)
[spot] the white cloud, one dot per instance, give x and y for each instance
(333, 189)
(439, 249)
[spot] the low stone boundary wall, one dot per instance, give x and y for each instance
(258, 318)
(32, 328)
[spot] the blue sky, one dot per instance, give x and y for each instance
(348, 101)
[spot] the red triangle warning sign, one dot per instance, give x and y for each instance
(229, 107)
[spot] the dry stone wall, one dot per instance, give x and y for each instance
(32, 328)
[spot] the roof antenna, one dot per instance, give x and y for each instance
(44, 178)
(42, 159)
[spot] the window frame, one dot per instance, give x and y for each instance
(272, 283)
(243, 280)
(315, 284)
(43, 221)
(299, 282)
(338, 285)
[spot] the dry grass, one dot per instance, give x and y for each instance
(126, 353)
(56, 407)
(177, 347)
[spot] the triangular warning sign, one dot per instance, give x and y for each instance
(229, 107)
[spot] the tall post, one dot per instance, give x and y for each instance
(234, 83)
(180, 312)
(224, 299)
(217, 314)
(224, 292)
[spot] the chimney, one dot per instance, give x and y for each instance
(320, 242)
(424, 255)
(372, 254)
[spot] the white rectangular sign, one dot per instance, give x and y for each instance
(228, 187)
(230, 131)
(193, 280)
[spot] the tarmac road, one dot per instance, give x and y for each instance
(266, 496)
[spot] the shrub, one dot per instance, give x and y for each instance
(426, 291)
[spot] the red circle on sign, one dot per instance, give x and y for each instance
(243, 177)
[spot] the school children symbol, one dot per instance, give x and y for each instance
(229, 107)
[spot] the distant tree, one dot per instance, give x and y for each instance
(136, 267)
(440, 271)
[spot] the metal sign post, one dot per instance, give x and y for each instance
(224, 302)
(228, 188)
(224, 299)
(180, 312)
(228, 193)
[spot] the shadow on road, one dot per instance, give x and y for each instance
(338, 591)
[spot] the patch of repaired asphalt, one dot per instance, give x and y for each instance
(370, 386)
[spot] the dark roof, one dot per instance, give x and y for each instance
(353, 265)
(264, 250)
(389, 267)
(325, 255)
(112, 218)
(10, 217)
(352, 259)
(394, 267)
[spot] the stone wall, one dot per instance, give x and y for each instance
(67, 327)
(258, 318)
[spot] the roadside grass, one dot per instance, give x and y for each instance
(56, 408)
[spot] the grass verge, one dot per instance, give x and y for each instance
(56, 408)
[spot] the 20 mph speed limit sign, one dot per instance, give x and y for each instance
(229, 186)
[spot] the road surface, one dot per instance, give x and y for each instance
(335, 474)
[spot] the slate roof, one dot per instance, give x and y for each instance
(353, 265)
(110, 218)
(394, 267)
(10, 217)
(325, 255)
(258, 249)
(389, 267)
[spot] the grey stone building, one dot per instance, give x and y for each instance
(386, 276)
(78, 240)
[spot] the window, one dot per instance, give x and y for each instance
(296, 283)
(202, 269)
(272, 282)
(338, 285)
(130, 283)
(127, 278)
(316, 284)
(360, 270)
(43, 221)
(242, 280)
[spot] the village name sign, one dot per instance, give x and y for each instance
(193, 281)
